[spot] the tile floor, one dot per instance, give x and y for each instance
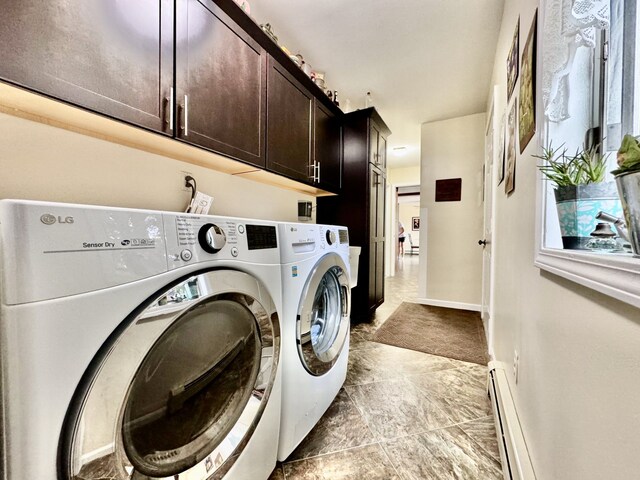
(401, 414)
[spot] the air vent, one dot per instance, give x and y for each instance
(344, 236)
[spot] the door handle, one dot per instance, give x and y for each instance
(482, 242)
(318, 172)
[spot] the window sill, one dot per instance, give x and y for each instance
(616, 275)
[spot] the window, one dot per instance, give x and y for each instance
(600, 104)
(623, 80)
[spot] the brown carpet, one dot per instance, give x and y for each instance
(440, 331)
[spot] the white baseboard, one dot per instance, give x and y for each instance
(97, 453)
(443, 303)
(514, 455)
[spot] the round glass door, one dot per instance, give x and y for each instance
(323, 316)
(182, 387)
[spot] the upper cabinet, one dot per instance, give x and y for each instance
(220, 83)
(377, 146)
(327, 141)
(201, 71)
(115, 58)
(289, 127)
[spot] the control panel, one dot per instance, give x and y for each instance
(198, 238)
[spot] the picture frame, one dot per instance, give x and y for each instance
(510, 182)
(512, 61)
(527, 96)
(415, 223)
(501, 149)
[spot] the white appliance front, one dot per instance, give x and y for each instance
(138, 344)
(315, 326)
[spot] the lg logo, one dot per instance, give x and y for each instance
(49, 219)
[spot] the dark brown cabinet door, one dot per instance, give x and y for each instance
(382, 152)
(327, 148)
(374, 134)
(112, 57)
(376, 238)
(289, 110)
(220, 83)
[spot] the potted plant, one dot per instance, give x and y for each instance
(580, 190)
(628, 181)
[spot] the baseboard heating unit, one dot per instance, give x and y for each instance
(516, 464)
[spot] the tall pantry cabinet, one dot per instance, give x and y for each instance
(360, 206)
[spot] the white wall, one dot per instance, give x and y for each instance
(450, 258)
(579, 376)
(40, 162)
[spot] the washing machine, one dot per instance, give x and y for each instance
(138, 344)
(315, 325)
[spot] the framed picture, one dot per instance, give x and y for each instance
(415, 223)
(527, 97)
(510, 183)
(501, 149)
(512, 61)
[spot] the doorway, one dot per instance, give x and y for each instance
(408, 215)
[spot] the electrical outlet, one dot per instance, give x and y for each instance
(183, 185)
(516, 364)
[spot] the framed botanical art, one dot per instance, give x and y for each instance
(510, 183)
(527, 97)
(512, 61)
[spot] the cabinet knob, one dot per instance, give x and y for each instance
(482, 242)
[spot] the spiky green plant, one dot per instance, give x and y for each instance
(586, 166)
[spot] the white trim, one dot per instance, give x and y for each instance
(444, 303)
(615, 275)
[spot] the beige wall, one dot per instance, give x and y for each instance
(579, 375)
(450, 259)
(40, 162)
(404, 176)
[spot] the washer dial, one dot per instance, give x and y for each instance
(211, 238)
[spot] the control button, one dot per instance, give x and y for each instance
(240, 228)
(331, 237)
(186, 255)
(211, 238)
(234, 252)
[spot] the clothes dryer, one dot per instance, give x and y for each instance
(138, 344)
(315, 325)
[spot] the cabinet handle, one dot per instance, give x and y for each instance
(313, 171)
(171, 110)
(375, 179)
(318, 172)
(186, 115)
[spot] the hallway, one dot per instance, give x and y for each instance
(401, 414)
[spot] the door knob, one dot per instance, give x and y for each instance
(482, 242)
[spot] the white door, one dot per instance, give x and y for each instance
(486, 241)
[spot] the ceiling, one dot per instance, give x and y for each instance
(422, 60)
